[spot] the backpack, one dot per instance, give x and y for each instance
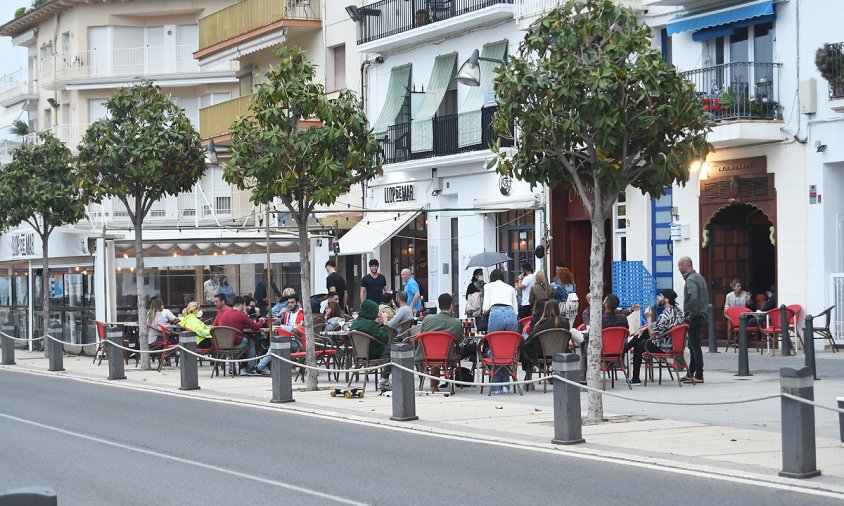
(569, 308)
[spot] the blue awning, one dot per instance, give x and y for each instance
(731, 29)
(699, 21)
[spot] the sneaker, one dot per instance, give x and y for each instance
(251, 371)
(264, 372)
(384, 385)
(636, 382)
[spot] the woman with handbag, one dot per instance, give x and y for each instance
(501, 306)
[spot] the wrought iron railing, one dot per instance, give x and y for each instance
(830, 61)
(738, 91)
(389, 17)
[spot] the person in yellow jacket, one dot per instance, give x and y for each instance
(191, 321)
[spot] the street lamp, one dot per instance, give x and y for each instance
(470, 72)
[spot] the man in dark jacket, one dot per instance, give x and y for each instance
(695, 301)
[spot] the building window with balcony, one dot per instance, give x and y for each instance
(338, 67)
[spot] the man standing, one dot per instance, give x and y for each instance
(411, 288)
(695, 300)
(373, 285)
(335, 283)
(524, 284)
(211, 287)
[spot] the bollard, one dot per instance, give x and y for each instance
(29, 496)
(187, 364)
(743, 361)
(784, 339)
(8, 344)
(809, 348)
(55, 350)
(114, 355)
(404, 397)
(282, 382)
(567, 424)
(798, 424)
(840, 419)
(713, 343)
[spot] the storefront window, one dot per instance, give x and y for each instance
(516, 238)
(409, 250)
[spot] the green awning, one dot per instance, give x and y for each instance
(469, 121)
(422, 126)
(396, 93)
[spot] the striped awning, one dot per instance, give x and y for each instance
(422, 126)
(469, 121)
(396, 93)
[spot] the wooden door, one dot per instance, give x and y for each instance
(729, 258)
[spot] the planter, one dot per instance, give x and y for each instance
(422, 18)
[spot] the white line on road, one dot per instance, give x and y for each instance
(266, 481)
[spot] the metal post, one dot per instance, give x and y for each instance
(8, 344)
(784, 339)
(567, 424)
(713, 343)
(798, 424)
(55, 358)
(404, 397)
(841, 419)
(114, 355)
(743, 361)
(187, 364)
(29, 496)
(809, 346)
(282, 382)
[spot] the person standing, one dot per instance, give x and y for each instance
(525, 283)
(411, 288)
(226, 289)
(373, 285)
(541, 290)
(695, 301)
(211, 287)
(476, 283)
(335, 283)
(500, 305)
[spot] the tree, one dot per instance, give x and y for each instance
(597, 110)
(276, 157)
(145, 149)
(40, 187)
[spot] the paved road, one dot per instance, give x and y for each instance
(98, 444)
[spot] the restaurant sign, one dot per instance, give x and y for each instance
(399, 193)
(23, 244)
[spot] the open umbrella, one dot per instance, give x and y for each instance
(488, 259)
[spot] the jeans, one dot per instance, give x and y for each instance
(640, 343)
(501, 318)
(697, 327)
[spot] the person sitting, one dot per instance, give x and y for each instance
(771, 301)
(737, 297)
(538, 309)
(323, 305)
(222, 307)
(250, 307)
(386, 307)
(541, 290)
(622, 312)
(368, 322)
(334, 317)
(403, 313)
(191, 320)
(653, 337)
(158, 315)
(549, 318)
(237, 319)
(443, 321)
(611, 317)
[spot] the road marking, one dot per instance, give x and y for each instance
(266, 481)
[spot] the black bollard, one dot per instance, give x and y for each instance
(187, 364)
(8, 344)
(840, 419)
(798, 424)
(55, 349)
(282, 382)
(743, 361)
(404, 398)
(29, 496)
(784, 339)
(568, 429)
(114, 355)
(809, 348)
(713, 343)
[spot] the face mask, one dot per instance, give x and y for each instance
(199, 314)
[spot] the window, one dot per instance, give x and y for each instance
(48, 117)
(97, 109)
(620, 221)
(516, 238)
(224, 205)
(338, 55)
(665, 45)
(661, 246)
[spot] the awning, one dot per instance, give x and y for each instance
(11, 114)
(422, 126)
(396, 92)
(469, 121)
(374, 230)
(709, 19)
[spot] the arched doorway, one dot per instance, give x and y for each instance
(739, 242)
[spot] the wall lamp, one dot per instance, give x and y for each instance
(358, 13)
(470, 72)
(820, 147)
(211, 153)
(53, 103)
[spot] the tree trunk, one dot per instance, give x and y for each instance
(595, 403)
(45, 291)
(143, 342)
(305, 273)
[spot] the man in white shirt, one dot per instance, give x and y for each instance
(525, 283)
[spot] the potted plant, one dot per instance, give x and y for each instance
(422, 17)
(830, 63)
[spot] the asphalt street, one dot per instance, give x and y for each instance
(101, 444)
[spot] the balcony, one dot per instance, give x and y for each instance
(446, 132)
(216, 120)
(831, 65)
(250, 19)
(742, 100)
(384, 25)
(16, 88)
(70, 135)
(529, 8)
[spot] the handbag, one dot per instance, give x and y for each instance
(481, 322)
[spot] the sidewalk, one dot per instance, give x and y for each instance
(740, 440)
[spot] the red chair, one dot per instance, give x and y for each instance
(436, 347)
(733, 330)
(325, 351)
(792, 322)
(773, 327)
(612, 354)
(524, 324)
(101, 342)
(674, 360)
(170, 345)
(503, 351)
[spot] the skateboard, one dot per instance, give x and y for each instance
(348, 394)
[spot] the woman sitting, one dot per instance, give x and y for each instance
(158, 315)
(191, 321)
(334, 316)
(550, 319)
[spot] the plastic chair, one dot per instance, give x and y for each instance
(733, 320)
(504, 352)
(773, 328)
(524, 324)
(360, 356)
(793, 321)
(224, 339)
(612, 354)
(436, 347)
(674, 360)
(325, 350)
(170, 344)
(551, 342)
(825, 332)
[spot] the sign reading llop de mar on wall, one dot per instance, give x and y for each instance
(25, 244)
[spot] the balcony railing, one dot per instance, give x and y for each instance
(834, 67)
(527, 8)
(16, 84)
(739, 91)
(70, 135)
(126, 62)
(397, 146)
(248, 15)
(389, 17)
(217, 119)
